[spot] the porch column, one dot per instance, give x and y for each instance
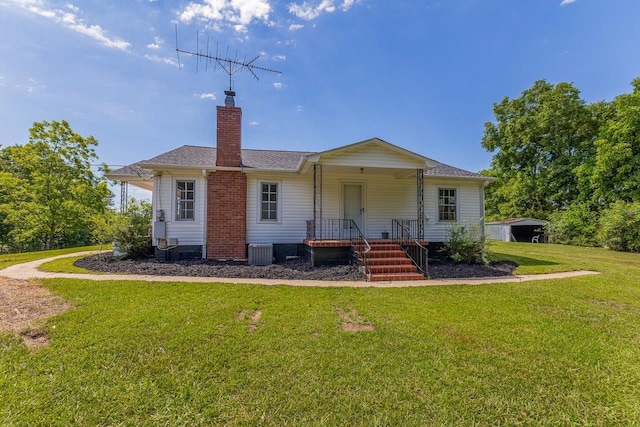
(420, 187)
(317, 201)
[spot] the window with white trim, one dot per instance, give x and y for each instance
(185, 199)
(268, 201)
(447, 205)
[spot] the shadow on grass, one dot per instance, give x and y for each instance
(520, 260)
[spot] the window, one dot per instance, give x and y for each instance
(185, 197)
(447, 204)
(269, 202)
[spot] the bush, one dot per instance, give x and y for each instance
(466, 244)
(576, 225)
(620, 227)
(130, 231)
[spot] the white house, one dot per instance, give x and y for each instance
(221, 202)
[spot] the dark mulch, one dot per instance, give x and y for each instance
(291, 269)
(450, 270)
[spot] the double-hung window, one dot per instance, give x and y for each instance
(447, 205)
(268, 201)
(185, 198)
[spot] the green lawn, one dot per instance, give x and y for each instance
(65, 265)
(552, 352)
(7, 260)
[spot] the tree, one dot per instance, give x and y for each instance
(49, 192)
(620, 227)
(540, 139)
(615, 171)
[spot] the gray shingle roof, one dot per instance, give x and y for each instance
(443, 170)
(205, 157)
(130, 170)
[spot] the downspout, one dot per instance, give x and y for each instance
(206, 209)
(482, 187)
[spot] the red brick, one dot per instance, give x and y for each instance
(227, 215)
(229, 136)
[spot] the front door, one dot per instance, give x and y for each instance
(353, 204)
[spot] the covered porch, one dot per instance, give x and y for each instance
(368, 208)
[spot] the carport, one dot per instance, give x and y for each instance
(516, 230)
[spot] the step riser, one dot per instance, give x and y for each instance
(394, 277)
(380, 269)
(388, 262)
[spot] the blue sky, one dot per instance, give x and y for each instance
(420, 74)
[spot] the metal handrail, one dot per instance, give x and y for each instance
(401, 234)
(340, 229)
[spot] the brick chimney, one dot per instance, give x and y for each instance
(227, 190)
(229, 133)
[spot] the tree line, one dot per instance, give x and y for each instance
(577, 164)
(51, 198)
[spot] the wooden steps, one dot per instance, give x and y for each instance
(387, 262)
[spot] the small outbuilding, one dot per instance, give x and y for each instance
(516, 230)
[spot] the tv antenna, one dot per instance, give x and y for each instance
(230, 65)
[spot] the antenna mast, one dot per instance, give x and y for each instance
(230, 65)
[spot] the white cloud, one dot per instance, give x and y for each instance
(309, 11)
(157, 42)
(238, 13)
(299, 108)
(279, 57)
(163, 60)
(295, 27)
(211, 96)
(71, 20)
(278, 85)
(254, 123)
(566, 2)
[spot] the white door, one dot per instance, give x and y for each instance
(353, 205)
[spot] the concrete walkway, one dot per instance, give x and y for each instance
(29, 270)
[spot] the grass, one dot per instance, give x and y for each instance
(553, 352)
(7, 260)
(65, 265)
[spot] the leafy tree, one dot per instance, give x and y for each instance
(576, 225)
(49, 192)
(620, 227)
(540, 139)
(615, 172)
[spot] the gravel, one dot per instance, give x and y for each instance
(296, 269)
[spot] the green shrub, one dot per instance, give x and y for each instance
(576, 225)
(620, 227)
(130, 231)
(466, 244)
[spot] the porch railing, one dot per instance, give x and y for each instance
(403, 232)
(340, 229)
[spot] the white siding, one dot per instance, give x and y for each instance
(164, 197)
(385, 198)
(296, 198)
(371, 156)
(469, 204)
(497, 232)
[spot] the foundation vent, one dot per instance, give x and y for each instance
(260, 254)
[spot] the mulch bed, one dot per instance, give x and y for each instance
(296, 269)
